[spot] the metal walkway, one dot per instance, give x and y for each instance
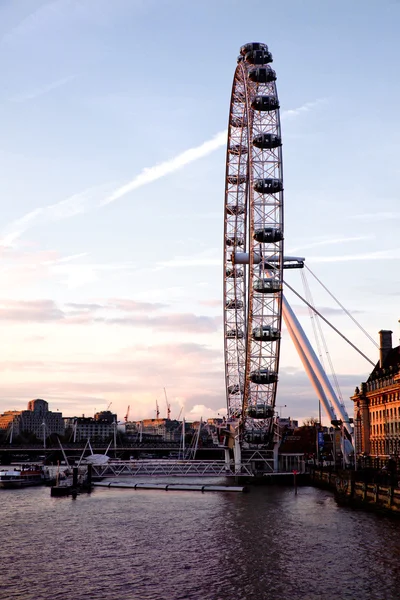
(183, 468)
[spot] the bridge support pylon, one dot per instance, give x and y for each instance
(237, 455)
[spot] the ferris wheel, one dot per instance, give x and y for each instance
(253, 244)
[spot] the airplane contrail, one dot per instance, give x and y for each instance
(83, 201)
(148, 175)
(151, 174)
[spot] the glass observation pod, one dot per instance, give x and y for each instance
(232, 273)
(234, 241)
(235, 334)
(265, 103)
(234, 304)
(237, 149)
(243, 258)
(238, 122)
(268, 235)
(236, 179)
(260, 411)
(265, 333)
(267, 286)
(235, 209)
(251, 46)
(258, 57)
(268, 186)
(263, 377)
(267, 141)
(234, 389)
(262, 75)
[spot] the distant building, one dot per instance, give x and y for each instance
(99, 427)
(38, 419)
(164, 429)
(377, 404)
(8, 418)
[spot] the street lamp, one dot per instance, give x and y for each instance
(44, 435)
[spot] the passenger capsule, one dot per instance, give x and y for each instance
(260, 411)
(243, 258)
(236, 179)
(265, 103)
(233, 273)
(234, 334)
(253, 46)
(238, 122)
(235, 209)
(234, 240)
(268, 235)
(234, 304)
(263, 377)
(268, 186)
(267, 286)
(237, 149)
(267, 141)
(262, 75)
(258, 57)
(266, 333)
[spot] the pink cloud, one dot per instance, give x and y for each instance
(113, 312)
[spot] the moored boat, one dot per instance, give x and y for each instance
(15, 478)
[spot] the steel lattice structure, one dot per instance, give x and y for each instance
(253, 245)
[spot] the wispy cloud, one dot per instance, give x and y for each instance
(42, 16)
(380, 216)
(393, 254)
(42, 90)
(301, 310)
(125, 312)
(69, 207)
(307, 107)
(331, 241)
(208, 258)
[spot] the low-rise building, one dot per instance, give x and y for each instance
(100, 427)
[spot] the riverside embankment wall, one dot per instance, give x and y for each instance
(350, 489)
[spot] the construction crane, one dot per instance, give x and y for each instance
(168, 405)
(157, 410)
(126, 417)
(108, 407)
(180, 412)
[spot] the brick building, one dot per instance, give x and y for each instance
(377, 404)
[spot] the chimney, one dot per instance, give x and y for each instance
(385, 345)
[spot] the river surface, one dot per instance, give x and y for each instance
(155, 545)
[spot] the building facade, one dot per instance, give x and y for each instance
(37, 420)
(377, 404)
(100, 427)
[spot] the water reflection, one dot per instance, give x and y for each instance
(156, 545)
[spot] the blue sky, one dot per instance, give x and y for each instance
(112, 301)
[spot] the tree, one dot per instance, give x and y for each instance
(310, 422)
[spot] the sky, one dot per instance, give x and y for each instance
(112, 150)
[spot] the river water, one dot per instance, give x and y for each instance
(155, 545)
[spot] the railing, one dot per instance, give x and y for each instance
(184, 468)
